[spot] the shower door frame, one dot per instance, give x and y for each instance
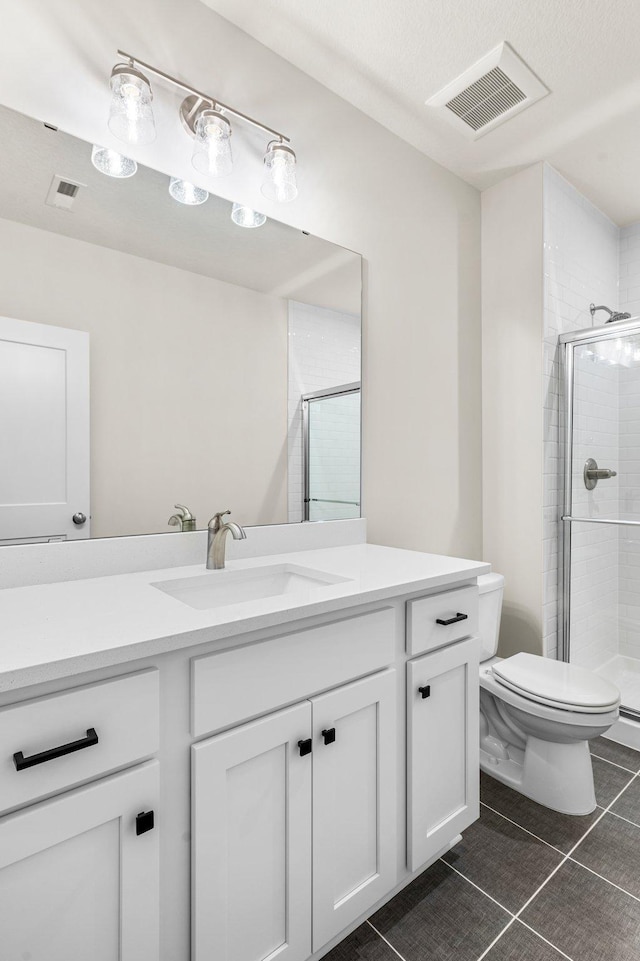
(353, 388)
(567, 344)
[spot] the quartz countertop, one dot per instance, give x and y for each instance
(50, 631)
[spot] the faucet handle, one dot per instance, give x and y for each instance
(216, 521)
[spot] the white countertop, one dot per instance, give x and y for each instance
(57, 630)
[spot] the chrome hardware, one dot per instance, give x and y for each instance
(79, 519)
(184, 519)
(592, 474)
(217, 537)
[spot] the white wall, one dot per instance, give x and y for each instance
(324, 351)
(416, 224)
(158, 340)
(511, 409)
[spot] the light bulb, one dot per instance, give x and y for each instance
(186, 193)
(279, 182)
(112, 163)
(246, 217)
(212, 145)
(131, 114)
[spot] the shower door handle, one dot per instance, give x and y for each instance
(592, 474)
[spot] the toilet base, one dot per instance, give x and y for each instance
(559, 776)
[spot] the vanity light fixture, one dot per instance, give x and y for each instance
(279, 173)
(205, 118)
(246, 217)
(131, 114)
(186, 193)
(112, 163)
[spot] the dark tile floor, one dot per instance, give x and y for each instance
(525, 883)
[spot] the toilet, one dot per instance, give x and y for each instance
(537, 716)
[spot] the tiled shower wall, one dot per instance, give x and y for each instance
(580, 267)
(324, 351)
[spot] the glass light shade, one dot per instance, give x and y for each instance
(131, 114)
(112, 163)
(186, 193)
(212, 146)
(279, 182)
(246, 217)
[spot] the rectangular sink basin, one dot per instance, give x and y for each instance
(222, 588)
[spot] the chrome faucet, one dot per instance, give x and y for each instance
(184, 519)
(217, 538)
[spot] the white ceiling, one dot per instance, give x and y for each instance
(387, 57)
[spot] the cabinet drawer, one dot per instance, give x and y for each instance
(108, 724)
(244, 682)
(425, 632)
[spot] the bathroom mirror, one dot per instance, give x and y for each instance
(154, 353)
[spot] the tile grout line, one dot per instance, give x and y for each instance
(496, 939)
(621, 766)
(546, 940)
(382, 938)
(526, 830)
(602, 878)
(477, 887)
(636, 824)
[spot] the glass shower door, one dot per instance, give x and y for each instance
(601, 590)
(331, 422)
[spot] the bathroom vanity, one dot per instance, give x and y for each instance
(181, 776)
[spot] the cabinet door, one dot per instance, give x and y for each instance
(442, 748)
(76, 881)
(354, 801)
(251, 852)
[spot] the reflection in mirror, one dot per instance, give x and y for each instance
(158, 361)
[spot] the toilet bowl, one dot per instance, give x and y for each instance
(537, 716)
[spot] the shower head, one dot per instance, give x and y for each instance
(613, 314)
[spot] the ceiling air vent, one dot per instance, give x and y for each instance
(62, 192)
(496, 88)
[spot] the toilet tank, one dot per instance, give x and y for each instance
(491, 589)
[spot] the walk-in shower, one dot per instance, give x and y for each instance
(600, 454)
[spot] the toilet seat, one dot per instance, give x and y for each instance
(556, 684)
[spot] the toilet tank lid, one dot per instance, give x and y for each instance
(490, 582)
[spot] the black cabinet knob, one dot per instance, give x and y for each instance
(305, 746)
(425, 691)
(145, 821)
(329, 735)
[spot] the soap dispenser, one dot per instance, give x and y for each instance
(184, 519)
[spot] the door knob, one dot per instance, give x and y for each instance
(79, 519)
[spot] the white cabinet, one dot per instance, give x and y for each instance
(76, 880)
(354, 802)
(253, 810)
(442, 748)
(251, 829)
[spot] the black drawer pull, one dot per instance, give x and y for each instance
(21, 762)
(425, 691)
(305, 746)
(452, 620)
(145, 821)
(329, 735)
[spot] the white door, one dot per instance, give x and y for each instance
(76, 880)
(442, 748)
(354, 801)
(44, 432)
(251, 854)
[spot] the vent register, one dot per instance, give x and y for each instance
(496, 88)
(62, 192)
